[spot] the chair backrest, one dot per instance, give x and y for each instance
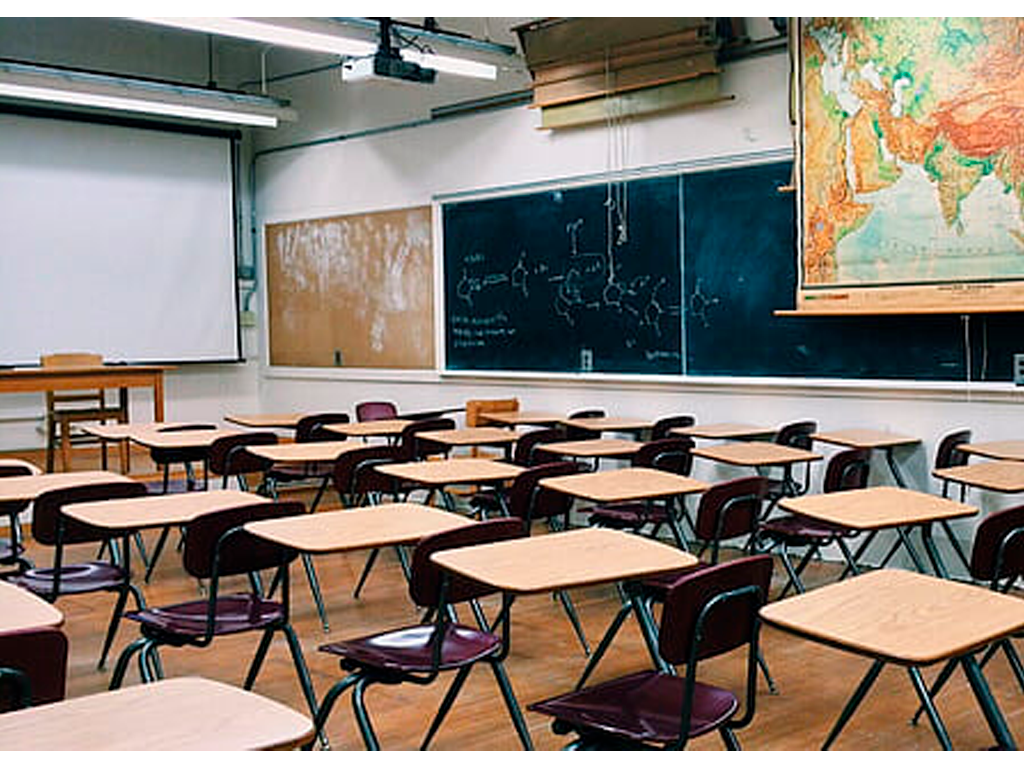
(474, 408)
(946, 453)
(665, 423)
(426, 576)
(414, 449)
(353, 470)
(18, 468)
(309, 428)
(528, 501)
(375, 410)
(797, 435)
(72, 360)
(228, 456)
(51, 528)
(998, 551)
(730, 509)
(847, 470)
(33, 667)
(216, 545)
(527, 452)
(582, 433)
(714, 610)
(670, 454)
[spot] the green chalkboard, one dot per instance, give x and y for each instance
(709, 257)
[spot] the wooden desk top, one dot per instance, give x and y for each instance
(451, 471)
(756, 454)
(181, 713)
(879, 506)
(899, 616)
(864, 438)
(21, 610)
(362, 528)
(28, 487)
(724, 431)
(469, 436)
(1010, 450)
(626, 484)
(158, 511)
(610, 423)
(564, 560)
(515, 418)
(183, 438)
(376, 428)
(1003, 476)
(325, 451)
(604, 447)
(265, 420)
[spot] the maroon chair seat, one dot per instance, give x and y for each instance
(803, 531)
(75, 578)
(418, 653)
(232, 614)
(643, 706)
(410, 650)
(708, 613)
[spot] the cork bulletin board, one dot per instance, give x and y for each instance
(352, 291)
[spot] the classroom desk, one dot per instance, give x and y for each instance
(182, 713)
(28, 487)
(909, 619)
(523, 418)
(20, 610)
(596, 449)
(438, 476)
(265, 420)
(347, 530)
(1009, 450)
(759, 456)
(389, 428)
(317, 452)
(872, 439)
(471, 437)
(725, 431)
(879, 508)
(628, 484)
(1000, 476)
(609, 424)
(120, 377)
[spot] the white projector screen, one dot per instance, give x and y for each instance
(116, 240)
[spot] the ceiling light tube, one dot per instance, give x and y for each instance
(128, 104)
(273, 32)
(451, 64)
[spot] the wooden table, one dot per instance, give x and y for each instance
(1010, 450)
(760, 456)
(724, 431)
(376, 428)
(628, 484)
(597, 448)
(320, 451)
(883, 507)
(609, 424)
(909, 619)
(872, 439)
(1000, 476)
(439, 476)
(183, 713)
(472, 437)
(120, 377)
(265, 420)
(28, 487)
(20, 610)
(523, 418)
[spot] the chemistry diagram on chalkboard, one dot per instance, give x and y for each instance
(544, 282)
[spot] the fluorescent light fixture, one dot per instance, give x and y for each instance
(125, 104)
(451, 64)
(283, 32)
(28, 82)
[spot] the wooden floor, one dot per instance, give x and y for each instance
(813, 682)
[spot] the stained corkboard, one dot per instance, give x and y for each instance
(354, 291)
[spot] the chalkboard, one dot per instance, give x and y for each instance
(725, 240)
(550, 281)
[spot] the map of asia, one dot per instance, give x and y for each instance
(911, 164)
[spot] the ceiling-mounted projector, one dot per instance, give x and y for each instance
(387, 62)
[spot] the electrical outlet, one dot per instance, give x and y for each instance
(1018, 370)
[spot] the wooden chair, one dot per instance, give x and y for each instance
(66, 408)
